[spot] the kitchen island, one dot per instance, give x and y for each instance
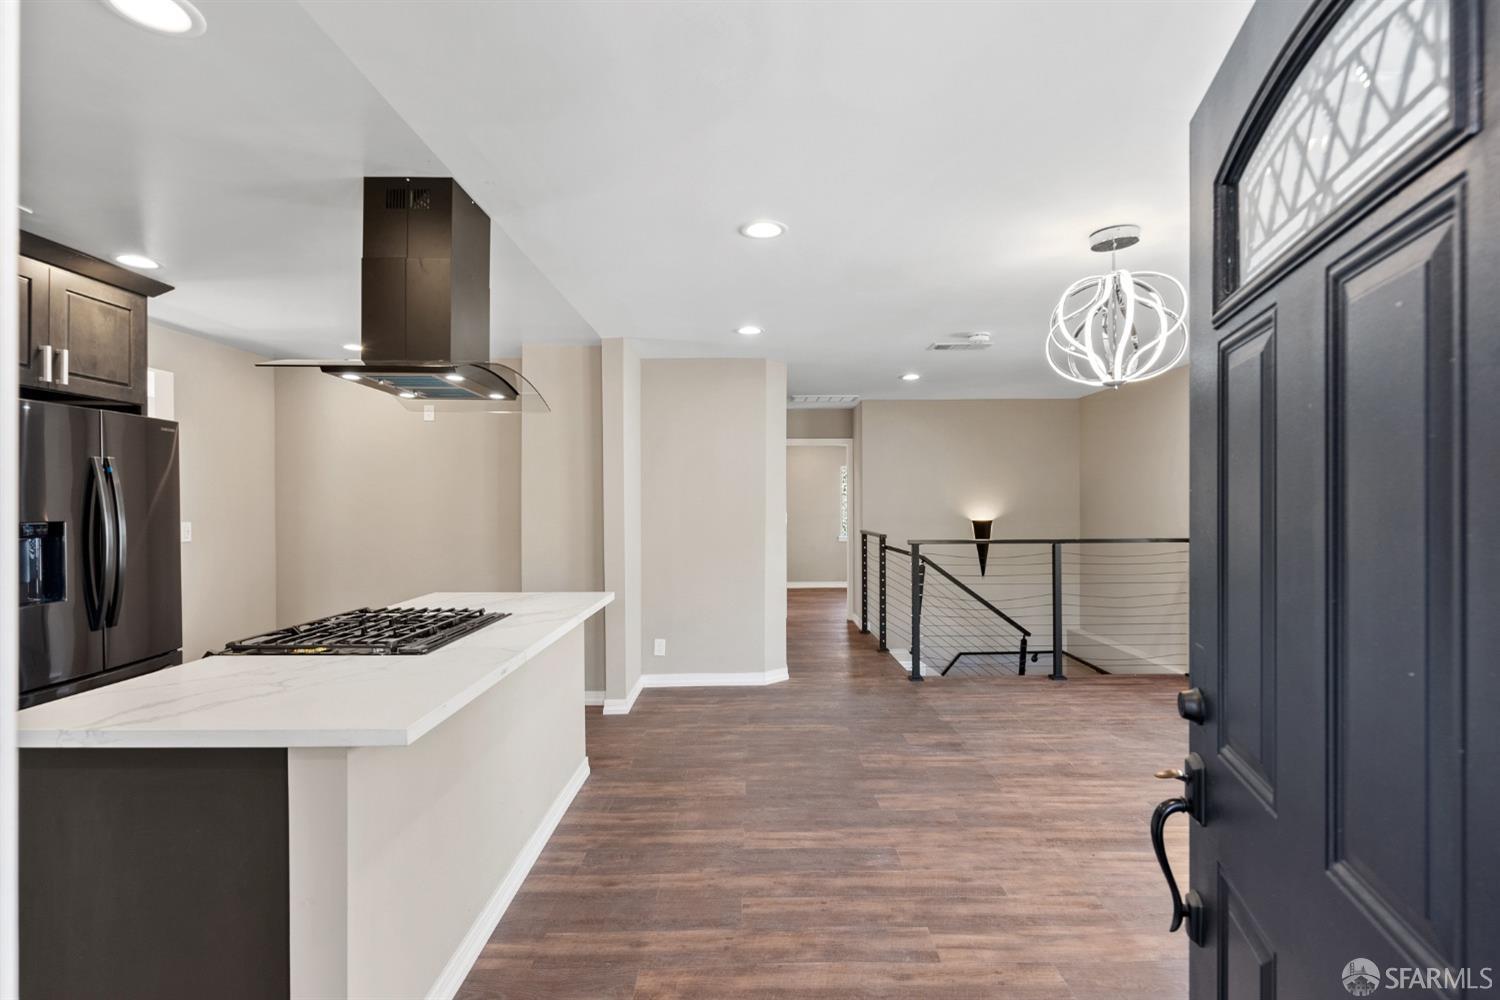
(312, 826)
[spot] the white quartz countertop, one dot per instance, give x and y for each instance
(313, 701)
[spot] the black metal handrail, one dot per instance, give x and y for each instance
(920, 562)
(1026, 632)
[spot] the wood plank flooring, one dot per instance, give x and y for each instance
(850, 835)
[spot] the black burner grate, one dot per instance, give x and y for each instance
(370, 631)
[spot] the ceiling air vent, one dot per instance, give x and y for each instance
(962, 342)
(828, 401)
(419, 199)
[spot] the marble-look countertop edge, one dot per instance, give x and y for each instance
(456, 704)
(309, 737)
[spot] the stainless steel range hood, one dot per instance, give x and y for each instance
(425, 303)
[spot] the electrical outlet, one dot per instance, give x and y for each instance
(187, 531)
(660, 647)
(429, 413)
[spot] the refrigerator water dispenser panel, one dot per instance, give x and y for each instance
(44, 560)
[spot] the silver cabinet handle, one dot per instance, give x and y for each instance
(63, 378)
(46, 363)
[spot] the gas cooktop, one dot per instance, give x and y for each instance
(369, 632)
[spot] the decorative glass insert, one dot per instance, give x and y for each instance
(1379, 83)
(843, 503)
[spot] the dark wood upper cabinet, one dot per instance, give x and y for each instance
(98, 336)
(82, 325)
(32, 335)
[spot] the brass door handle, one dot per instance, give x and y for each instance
(1171, 772)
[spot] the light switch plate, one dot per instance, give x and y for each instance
(660, 647)
(187, 531)
(429, 413)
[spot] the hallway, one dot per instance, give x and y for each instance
(850, 835)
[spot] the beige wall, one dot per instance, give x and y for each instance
(814, 553)
(621, 392)
(226, 409)
(774, 546)
(1134, 459)
(820, 423)
(711, 496)
(927, 466)
(562, 484)
(376, 505)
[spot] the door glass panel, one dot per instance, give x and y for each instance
(1377, 85)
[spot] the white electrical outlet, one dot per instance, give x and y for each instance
(660, 647)
(187, 531)
(429, 413)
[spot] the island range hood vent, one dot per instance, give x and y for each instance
(425, 302)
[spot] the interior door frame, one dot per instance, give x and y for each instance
(848, 445)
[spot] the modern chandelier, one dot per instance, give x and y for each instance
(1110, 329)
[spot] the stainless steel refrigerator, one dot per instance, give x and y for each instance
(101, 572)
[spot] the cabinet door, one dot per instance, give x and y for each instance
(32, 331)
(103, 331)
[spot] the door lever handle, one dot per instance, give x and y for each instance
(1191, 801)
(1189, 910)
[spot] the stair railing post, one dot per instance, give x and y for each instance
(881, 610)
(916, 613)
(1057, 610)
(864, 583)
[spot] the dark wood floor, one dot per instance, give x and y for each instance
(851, 835)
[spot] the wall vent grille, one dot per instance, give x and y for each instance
(823, 400)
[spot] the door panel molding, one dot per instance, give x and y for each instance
(1246, 563)
(1247, 961)
(1394, 420)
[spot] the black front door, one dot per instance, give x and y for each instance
(1346, 504)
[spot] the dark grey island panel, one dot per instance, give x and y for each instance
(154, 873)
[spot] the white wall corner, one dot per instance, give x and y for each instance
(622, 706)
(620, 412)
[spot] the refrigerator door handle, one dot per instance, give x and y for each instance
(100, 559)
(117, 589)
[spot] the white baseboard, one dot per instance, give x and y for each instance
(457, 970)
(749, 679)
(622, 706)
(593, 699)
(820, 585)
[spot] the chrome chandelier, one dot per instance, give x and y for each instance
(1110, 329)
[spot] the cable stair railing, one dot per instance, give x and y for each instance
(1109, 605)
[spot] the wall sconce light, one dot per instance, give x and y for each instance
(982, 531)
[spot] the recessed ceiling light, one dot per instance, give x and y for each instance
(454, 377)
(136, 260)
(25, 209)
(762, 229)
(749, 331)
(408, 395)
(350, 376)
(167, 17)
(353, 347)
(910, 377)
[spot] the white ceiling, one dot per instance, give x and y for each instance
(235, 160)
(939, 165)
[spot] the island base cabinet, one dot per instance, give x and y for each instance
(304, 872)
(153, 873)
